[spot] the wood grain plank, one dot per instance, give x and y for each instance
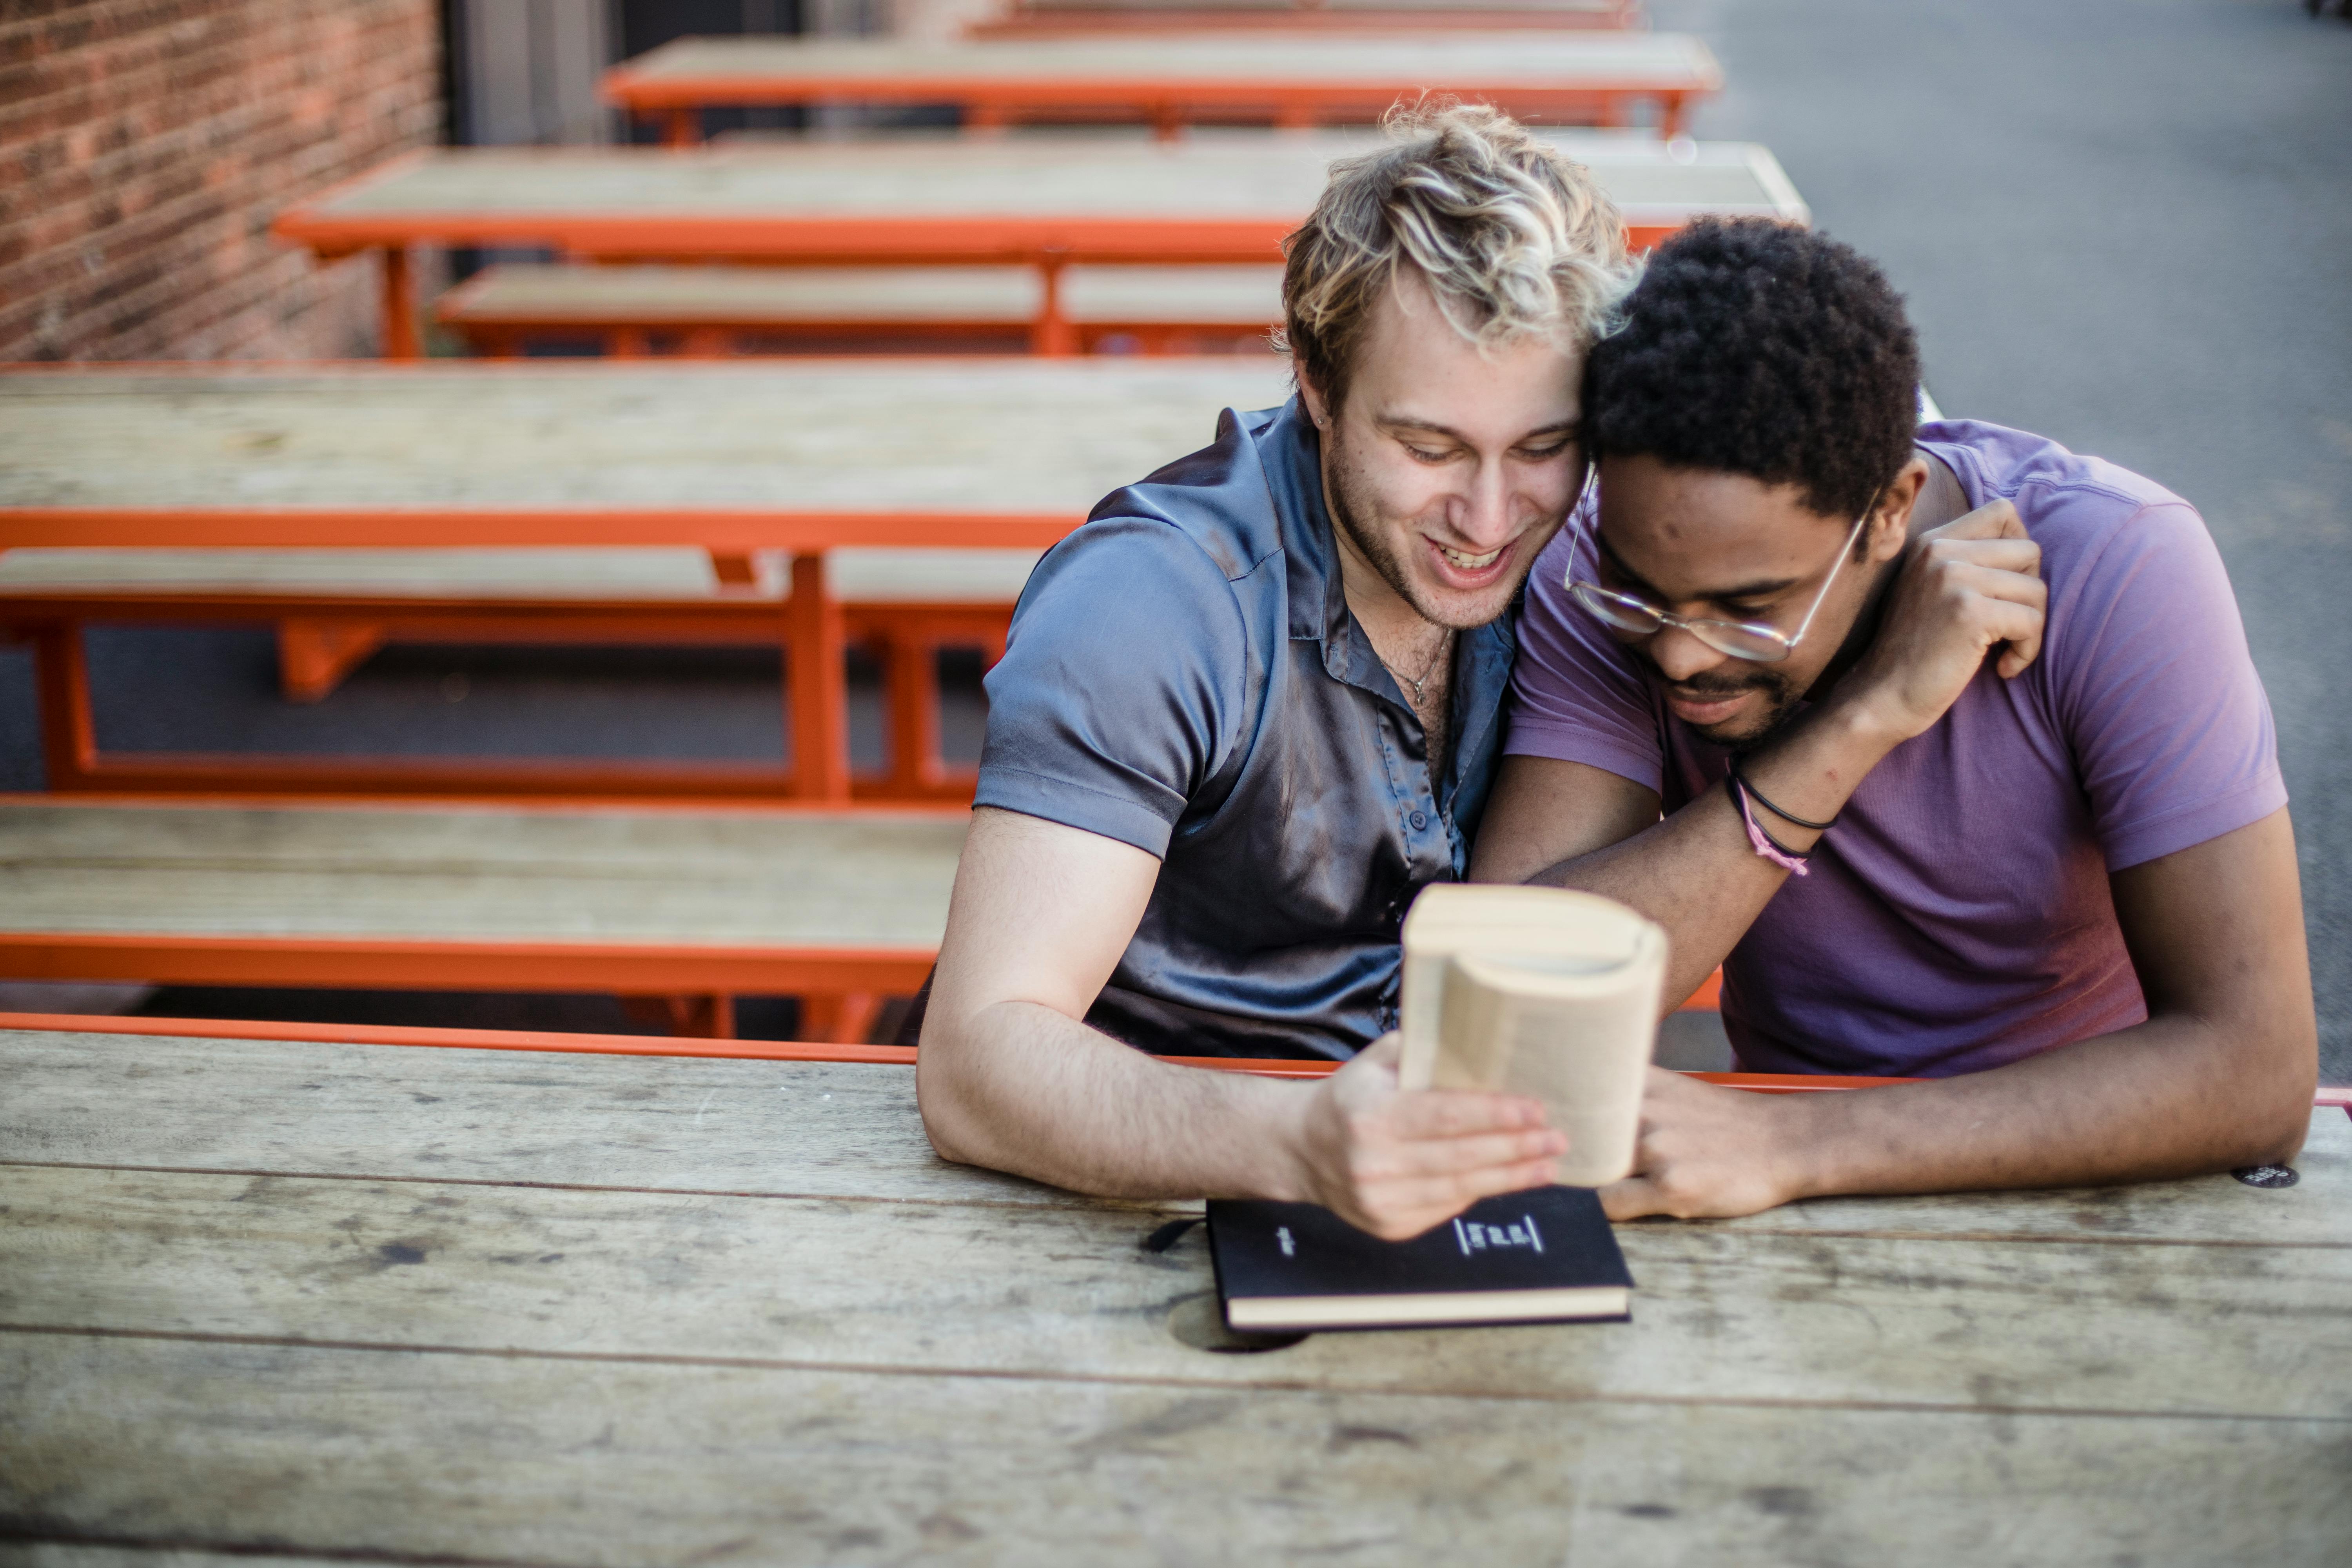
(1557, 60)
(471, 1460)
(982, 437)
(813, 1129)
(60, 1554)
(709, 878)
(659, 1123)
(1210, 175)
(1963, 1324)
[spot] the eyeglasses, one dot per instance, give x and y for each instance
(1740, 639)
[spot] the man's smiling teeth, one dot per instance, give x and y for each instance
(1470, 563)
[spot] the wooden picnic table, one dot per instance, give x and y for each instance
(714, 470)
(365, 1302)
(689, 907)
(1538, 75)
(1044, 200)
(1079, 18)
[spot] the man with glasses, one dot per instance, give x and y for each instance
(1944, 742)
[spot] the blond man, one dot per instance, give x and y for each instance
(1255, 706)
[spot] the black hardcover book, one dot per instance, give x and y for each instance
(1538, 1257)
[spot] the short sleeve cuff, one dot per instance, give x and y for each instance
(2137, 843)
(1076, 805)
(1575, 744)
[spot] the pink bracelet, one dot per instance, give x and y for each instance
(1763, 842)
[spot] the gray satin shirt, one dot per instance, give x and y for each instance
(1184, 676)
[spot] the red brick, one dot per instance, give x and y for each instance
(145, 144)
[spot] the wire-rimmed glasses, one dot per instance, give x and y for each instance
(1740, 639)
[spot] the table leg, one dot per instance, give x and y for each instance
(1673, 114)
(1052, 333)
(698, 1016)
(815, 683)
(911, 666)
(68, 734)
(682, 128)
(839, 1019)
(399, 336)
(313, 656)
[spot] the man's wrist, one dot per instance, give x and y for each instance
(1858, 731)
(1811, 1143)
(1280, 1133)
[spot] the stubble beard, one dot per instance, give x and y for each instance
(1378, 552)
(1781, 702)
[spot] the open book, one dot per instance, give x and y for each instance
(1540, 992)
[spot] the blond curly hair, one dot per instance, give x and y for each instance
(1512, 237)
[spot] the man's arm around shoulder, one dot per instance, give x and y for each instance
(1010, 1077)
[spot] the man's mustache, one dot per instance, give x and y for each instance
(1704, 688)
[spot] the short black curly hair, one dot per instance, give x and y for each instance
(1756, 347)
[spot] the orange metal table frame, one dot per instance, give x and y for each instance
(1542, 75)
(1048, 203)
(752, 1050)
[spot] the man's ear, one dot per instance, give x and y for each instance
(1890, 523)
(1318, 408)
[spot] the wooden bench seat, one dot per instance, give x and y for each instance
(689, 906)
(719, 310)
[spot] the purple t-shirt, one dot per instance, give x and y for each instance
(1958, 917)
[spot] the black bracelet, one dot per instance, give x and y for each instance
(1736, 787)
(1757, 796)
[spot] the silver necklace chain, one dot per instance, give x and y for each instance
(1444, 643)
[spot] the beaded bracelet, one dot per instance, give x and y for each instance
(1764, 844)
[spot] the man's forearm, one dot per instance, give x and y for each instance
(2171, 1096)
(1027, 1089)
(1697, 874)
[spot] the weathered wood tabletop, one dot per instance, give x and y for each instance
(591, 442)
(1048, 18)
(1535, 74)
(1083, 197)
(351, 1302)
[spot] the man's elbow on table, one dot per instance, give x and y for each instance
(950, 1094)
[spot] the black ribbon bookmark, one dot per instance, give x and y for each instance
(1168, 1235)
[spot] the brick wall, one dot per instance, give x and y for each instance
(145, 145)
